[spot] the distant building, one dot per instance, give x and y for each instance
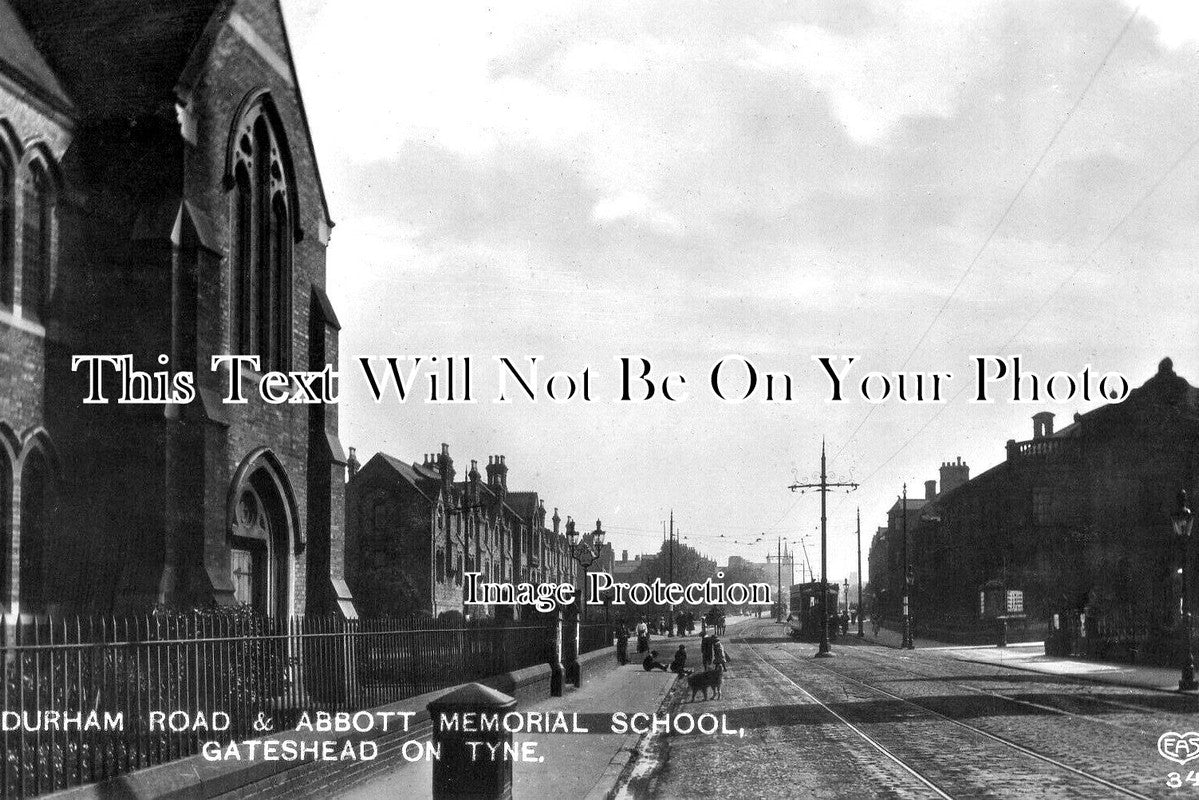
(413, 532)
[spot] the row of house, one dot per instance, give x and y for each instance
(413, 530)
(1077, 518)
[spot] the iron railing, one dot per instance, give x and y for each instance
(84, 700)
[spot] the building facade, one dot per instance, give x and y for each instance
(160, 199)
(1079, 519)
(413, 532)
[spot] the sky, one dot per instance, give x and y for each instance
(913, 184)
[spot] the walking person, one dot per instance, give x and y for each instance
(706, 649)
(719, 659)
(642, 636)
(622, 643)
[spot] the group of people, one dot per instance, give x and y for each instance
(711, 648)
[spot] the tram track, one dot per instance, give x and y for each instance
(868, 655)
(940, 787)
(868, 739)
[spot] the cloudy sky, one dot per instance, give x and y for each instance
(909, 183)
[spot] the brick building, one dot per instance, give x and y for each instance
(1078, 518)
(412, 531)
(160, 198)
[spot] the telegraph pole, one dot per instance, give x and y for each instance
(907, 643)
(670, 607)
(823, 487)
(861, 633)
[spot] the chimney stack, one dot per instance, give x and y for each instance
(624, 555)
(953, 475)
(1042, 424)
(930, 490)
(352, 464)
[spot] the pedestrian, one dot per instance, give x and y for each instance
(679, 665)
(719, 659)
(651, 662)
(706, 648)
(642, 636)
(622, 643)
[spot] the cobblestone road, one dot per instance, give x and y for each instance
(876, 722)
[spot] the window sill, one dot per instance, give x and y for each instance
(9, 316)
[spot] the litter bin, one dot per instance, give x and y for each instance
(465, 771)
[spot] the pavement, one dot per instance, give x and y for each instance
(1030, 657)
(575, 765)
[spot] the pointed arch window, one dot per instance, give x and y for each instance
(37, 216)
(7, 229)
(262, 228)
(6, 543)
(37, 504)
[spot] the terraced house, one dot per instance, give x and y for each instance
(160, 198)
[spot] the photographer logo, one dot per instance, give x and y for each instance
(1179, 747)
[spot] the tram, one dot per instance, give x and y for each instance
(803, 622)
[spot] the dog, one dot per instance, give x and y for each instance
(708, 679)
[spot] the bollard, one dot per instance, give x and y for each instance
(570, 645)
(555, 653)
(465, 771)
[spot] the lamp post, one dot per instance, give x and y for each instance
(907, 643)
(861, 606)
(1183, 520)
(584, 555)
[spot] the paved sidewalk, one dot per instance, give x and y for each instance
(1030, 657)
(576, 766)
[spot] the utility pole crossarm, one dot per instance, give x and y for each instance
(823, 487)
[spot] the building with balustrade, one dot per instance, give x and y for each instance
(1079, 518)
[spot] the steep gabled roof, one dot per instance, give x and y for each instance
(524, 503)
(21, 61)
(121, 59)
(427, 484)
(117, 58)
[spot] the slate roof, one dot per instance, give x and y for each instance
(21, 60)
(117, 58)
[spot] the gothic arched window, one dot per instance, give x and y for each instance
(37, 503)
(261, 228)
(37, 228)
(6, 484)
(7, 230)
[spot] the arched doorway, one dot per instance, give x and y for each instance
(262, 529)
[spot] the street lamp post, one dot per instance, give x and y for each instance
(907, 643)
(1183, 520)
(584, 555)
(861, 632)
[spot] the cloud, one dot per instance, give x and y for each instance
(690, 179)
